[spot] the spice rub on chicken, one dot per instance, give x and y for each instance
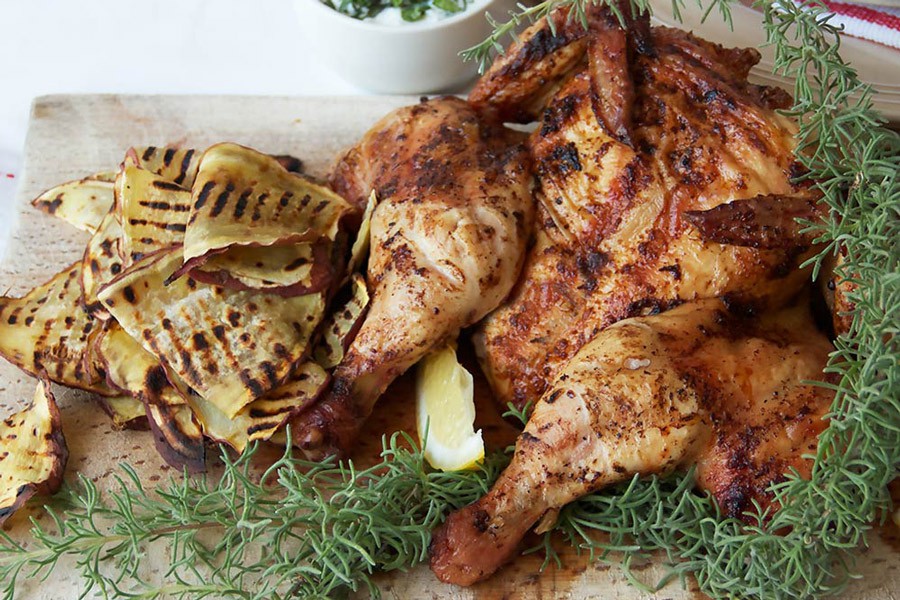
(448, 239)
(700, 384)
(660, 320)
(642, 133)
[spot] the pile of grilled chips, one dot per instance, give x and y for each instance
(199, 307)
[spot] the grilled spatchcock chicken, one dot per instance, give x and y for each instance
(642, 132)
(697, 384)
(448, 239)
(664, 185)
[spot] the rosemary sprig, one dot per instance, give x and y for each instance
(301, 530)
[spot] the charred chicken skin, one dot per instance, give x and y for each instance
(698, 384)
(649, 147)
(665, 184)
(448, 239)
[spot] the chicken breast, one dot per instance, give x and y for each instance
(647, 133)
(704, 383)
(448, 240)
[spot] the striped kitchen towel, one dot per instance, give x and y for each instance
(877, 23)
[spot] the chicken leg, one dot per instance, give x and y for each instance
(447, 243)
(698, 384)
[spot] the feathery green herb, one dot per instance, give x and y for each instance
(410, 10)
(300, 530)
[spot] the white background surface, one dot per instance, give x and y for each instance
(147, 47)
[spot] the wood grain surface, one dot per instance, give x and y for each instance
(74, 136)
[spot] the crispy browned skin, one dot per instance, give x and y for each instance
(761, 222)
(447, 243)
(528, 73)
(701, 383)
(612, 237)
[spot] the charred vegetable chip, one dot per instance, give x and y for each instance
(294, 270)
(101, 263)
(232, 347)
(361, 244)
(153, 212)
(260, 419)
(49, 331)
(177, 165)
(177, 436)
(340, 328)
(134, 370)
(125, 412)
(243, 197)
(33, 452)
(82, 203)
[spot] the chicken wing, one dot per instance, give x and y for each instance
(447, 243)
(703, 383)
(625, 226)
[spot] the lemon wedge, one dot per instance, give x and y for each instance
(445, 407)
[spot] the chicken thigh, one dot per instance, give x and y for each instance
(703, 383)
(448, 240)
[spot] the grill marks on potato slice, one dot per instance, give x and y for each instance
(230, 346)
(153, 212)
(291, 270)
(135, 371)
(260, 233)
(341, 326)
(48, 331)
(242, 197)
(178, 166)
(260, 419)
(360, 249)
(82, 203)
(33, 452)
(103, 260)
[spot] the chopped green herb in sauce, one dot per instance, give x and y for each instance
(410, 10)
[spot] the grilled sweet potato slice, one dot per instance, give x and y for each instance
(232, 347)
(135, 371)
(82, 203)
(244, 202)
(341, 326)
(33, 452)
(48, 331)
(103, 260)
(177, 165)
(153, 212)
(260, 419)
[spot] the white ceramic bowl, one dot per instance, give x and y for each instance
(411, 58)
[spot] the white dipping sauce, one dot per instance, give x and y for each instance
(391, 17)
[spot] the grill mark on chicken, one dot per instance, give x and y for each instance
(646, 396)
(638, 206)
(447, 242)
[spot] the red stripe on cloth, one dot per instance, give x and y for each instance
(864, 13)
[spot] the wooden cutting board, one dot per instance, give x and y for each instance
(73, 136)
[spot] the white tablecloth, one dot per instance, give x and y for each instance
(149, 47)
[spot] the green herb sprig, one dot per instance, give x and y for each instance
(410, 10)
(301, 530)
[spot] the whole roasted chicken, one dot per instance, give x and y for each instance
(448, 239)
(663, 177)
(665, 184)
